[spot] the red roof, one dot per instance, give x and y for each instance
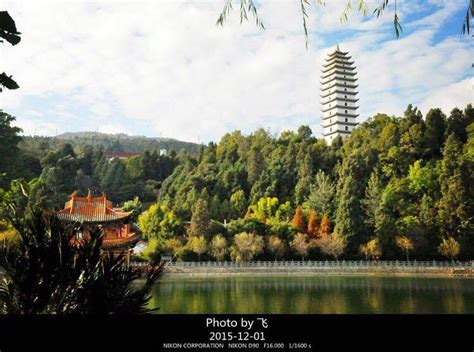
(91, 209)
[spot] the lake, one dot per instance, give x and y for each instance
(313, 294)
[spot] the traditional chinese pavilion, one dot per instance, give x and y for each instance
(120, 235)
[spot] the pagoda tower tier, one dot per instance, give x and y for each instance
(338, 95)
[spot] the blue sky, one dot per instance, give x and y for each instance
(162, 68)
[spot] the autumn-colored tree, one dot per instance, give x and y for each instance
(333, 245)
(246, 246)
(218, 247)
(325, 227)
(449, 248)
(371, 249)
(313, 226)
(300, 245)
(298, 221)
(276, 246)
(405, 244)
(198, 245)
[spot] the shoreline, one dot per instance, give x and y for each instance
(312, 272)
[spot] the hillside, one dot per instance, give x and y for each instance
(116, 142)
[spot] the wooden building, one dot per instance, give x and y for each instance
(120, 235)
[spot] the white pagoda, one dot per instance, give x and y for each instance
(338, 95)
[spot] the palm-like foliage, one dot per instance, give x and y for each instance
(46, 273)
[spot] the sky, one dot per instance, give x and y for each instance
(164, 69)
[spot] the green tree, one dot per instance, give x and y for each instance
(322, 192)
(9, 152)
(255, 164)
(135, 206)
(238, 204)
(435, 131)
(200, 222)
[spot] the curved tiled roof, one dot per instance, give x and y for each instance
(91, 209)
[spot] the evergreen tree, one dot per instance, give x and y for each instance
(321, 197)
(200, 222)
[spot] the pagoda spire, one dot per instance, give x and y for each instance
(338, 95)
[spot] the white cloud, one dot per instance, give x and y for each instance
(165, 68)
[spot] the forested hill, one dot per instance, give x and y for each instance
(113, 142)
(397, 187)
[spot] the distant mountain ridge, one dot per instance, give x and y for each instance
(122, 142)
(91, 134)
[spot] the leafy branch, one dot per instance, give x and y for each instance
(249, 6)
(8, 32)
(246, 6)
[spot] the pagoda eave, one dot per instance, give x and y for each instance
(338, 91)
(121, 242)
(334, 62)
(340, 67)
(341, 99)
(340, 107)
(339, 85)
(338, 79)
(335, 132)
(341, 123)
(340, 115)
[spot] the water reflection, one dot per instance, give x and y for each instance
(324, 294)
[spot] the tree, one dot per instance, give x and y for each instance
(325, 227)
(160, 222)
(313, 226)
(371, 249)
(372, 201)
(449, 248)
(276, 246)
(9, 152)
(300, 245)
(45, 273)
(255, 164)
(8, 32)
(218, 247)
(350, 221)
(455, 204)
(405, 244)
(435, 131)
(174, 246)
(200, 222)
(304, 132)
(298, 221)
(135, 206)
(238, 204)
(246, 246)
(333, 245)
(322, 192)
(198, 245)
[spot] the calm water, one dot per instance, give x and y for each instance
(326, 294)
